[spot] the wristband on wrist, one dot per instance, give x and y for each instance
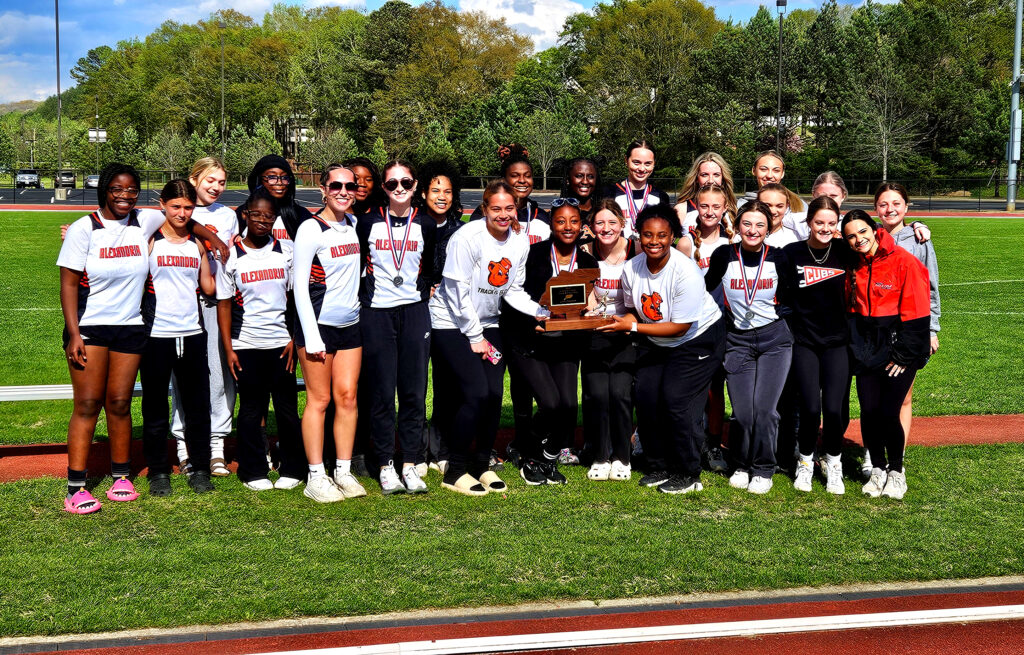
(633, 328)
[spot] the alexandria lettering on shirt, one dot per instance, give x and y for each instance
(249, 277)
(120, 251)
(385, 244)
(737, 284)
(345, 250)
(177, 261)
(605, 283)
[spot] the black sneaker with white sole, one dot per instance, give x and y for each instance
(654, 479)
(532, 472)
(551, 472)
(681, 484)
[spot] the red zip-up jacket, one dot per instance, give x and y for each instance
(889, 308)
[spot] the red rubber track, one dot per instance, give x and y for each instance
(992, 637)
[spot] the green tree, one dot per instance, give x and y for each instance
(479, 151)
(378, 154)
(203, 144)
(434, 145)
(128, 148)
(166, 151)
(327, 147)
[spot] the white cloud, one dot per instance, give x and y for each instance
(344, 4)
(21, 29)
(26, 78)
(541, 20)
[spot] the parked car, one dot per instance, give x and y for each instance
(92, 181)
(27, 177)
(65, 180)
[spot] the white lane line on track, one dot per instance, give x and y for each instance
(965, 284)
(583, 638)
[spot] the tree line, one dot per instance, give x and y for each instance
(916, 89)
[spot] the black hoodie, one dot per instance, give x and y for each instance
(291, 212)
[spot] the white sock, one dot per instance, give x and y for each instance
(832, 459)
(316, 471)
(342, 466)
(806, 459)
(182, 449)
(216, 447)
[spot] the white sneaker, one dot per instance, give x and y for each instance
(261, 484)
(414, 484)
(433, 466)
(834, 477)
(760, 484)
(349, 485)
(389, 482)
(442, 466)
(322, 490)
(895, 485)
(804, 473)
(421, 469)
(599, 471)
(284, 482)
(865, 467)
(740, 479)
(875, 483)
(619, 471)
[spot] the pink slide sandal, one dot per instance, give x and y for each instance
(122, 491)
(82, 502)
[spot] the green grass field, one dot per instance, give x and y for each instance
(237, 556)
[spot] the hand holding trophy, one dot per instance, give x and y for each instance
(566, 298)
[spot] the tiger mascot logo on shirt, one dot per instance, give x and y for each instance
(497, 275)
(650, 305)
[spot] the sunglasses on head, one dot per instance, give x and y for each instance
(406, 182)
(335, 187)
(558, 202)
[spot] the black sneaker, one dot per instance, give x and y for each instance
(512, 455)
(654, 479)
(532, 472)
(358, 466)
(160, 485)
(495, 463)
(681, 484)
(200, 482)
(551, 472)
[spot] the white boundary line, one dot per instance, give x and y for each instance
(966, 284)
(584, 638)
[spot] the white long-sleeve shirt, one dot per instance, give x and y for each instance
(326, 273)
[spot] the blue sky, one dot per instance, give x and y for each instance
(27, 53)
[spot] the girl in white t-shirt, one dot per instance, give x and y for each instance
(683, 343)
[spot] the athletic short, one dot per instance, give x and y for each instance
(334, 338)
(128, 339)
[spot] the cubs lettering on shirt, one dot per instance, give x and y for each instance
(750, 281)
(815, 283)
(487, 270)
(171, 305)
(675, 294)
(113, 257)
(414, 274)
(257, 282)
(326, 261)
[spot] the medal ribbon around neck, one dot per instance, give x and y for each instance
(748, 290)
(631, 204)
(399, 258)
(530, 220)
(554, 260)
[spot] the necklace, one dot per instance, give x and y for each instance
(817, 261)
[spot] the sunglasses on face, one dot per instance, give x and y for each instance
(558, 202)
(406, 182)
(277, 179)
(336, 187)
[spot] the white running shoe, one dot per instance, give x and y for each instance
(875, 483)
(322, 490)
(389, 482)
(895, 485)
(865, 467)
(740, 479)
(285, 482)
(349, 485)
(760, 484)
(804, 473)
(421, 469)
(260, 484)
(414, 484)
(599, 471)
(834, 477)
(442, 466)
(619, 471)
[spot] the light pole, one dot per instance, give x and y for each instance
(223, 138)
(97, 98)
(56, 173)
(1013, 145)
(781, 6)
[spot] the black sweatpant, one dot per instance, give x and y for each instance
(185, 357)
(445, 404)
(609, 369)
(474, 387)
(551, 370)
(823, 379)
(264, 376)
(756, 365)
(396, 352)
(671, 392)
(881, 398)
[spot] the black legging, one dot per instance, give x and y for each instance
(551, 370)
(881, 398)
(474, 386)
(823, 379)
(609, 367)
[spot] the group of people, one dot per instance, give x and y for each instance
(782, 303)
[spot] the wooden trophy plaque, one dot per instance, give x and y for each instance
(566, 298)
